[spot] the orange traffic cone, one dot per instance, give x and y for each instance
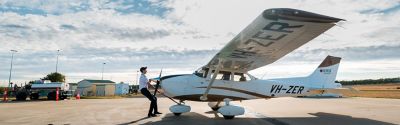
(57, 92)
(5, 95)
(78, 96)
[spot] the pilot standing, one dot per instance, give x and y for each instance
(144, 83)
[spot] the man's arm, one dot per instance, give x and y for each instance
(148, 84)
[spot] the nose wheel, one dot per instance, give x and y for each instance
(179, 108)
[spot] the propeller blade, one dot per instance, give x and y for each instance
(158, 83)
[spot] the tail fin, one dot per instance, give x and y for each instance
(325, 75)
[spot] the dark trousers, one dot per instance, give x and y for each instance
(153, 99)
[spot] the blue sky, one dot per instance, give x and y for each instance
(120, 6)
(181, 36)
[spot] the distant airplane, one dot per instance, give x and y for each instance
(272, 35)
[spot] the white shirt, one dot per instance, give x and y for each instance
(143, 81)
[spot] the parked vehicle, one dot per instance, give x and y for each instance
(39, 89)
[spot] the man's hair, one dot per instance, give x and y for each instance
(142, 69)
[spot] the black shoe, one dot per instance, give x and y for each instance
(151, 115)
(157, 113)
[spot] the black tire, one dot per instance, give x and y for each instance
(34, 96)
(21, 95)
(177, 114)
(229, 116)
(51, 96)
(215, 108)
(62, 97)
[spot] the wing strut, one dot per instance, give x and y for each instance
(204, 97)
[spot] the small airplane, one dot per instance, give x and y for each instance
(272, 35)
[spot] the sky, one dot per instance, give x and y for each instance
(180, 36)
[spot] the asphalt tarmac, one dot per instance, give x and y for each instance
(276, 111)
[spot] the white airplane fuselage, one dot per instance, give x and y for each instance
(191, 87)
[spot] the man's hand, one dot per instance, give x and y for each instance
(160, 91)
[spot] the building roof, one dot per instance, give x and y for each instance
(99, 81)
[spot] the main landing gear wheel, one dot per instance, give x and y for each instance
(229, 116)
(230, 111)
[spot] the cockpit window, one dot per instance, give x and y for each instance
(225, 76)
(241, 77)
(222, 75)
(202, 72)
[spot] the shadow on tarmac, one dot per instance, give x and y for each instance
(27, 101)
(320, 118)
(133, 122)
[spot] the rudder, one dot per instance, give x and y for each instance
(325, 75)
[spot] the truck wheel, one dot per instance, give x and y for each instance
(62, 97)
(34, 96)
(21, 95)
(51, 96)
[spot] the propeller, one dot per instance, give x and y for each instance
(158, 83)
(157, 86)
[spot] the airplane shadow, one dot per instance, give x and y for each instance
(193, 118)
(133, 122)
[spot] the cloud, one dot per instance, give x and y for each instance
(89, 60)
(50, 7)
(357, 63)
(86, 28)
(182, 35)
(347, 53)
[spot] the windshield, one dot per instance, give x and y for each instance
(202, 72)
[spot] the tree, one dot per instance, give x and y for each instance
(55, 77)
(2, 90)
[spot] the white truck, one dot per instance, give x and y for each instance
(49, 90)
(44, 88)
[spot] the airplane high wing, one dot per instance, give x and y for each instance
(272, 35)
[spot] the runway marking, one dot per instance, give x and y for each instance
(265, 118)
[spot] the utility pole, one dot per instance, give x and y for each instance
(58, 53)
(102, 71)
(137, 77)
(12, 58)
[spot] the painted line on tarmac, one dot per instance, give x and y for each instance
(265, 118)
